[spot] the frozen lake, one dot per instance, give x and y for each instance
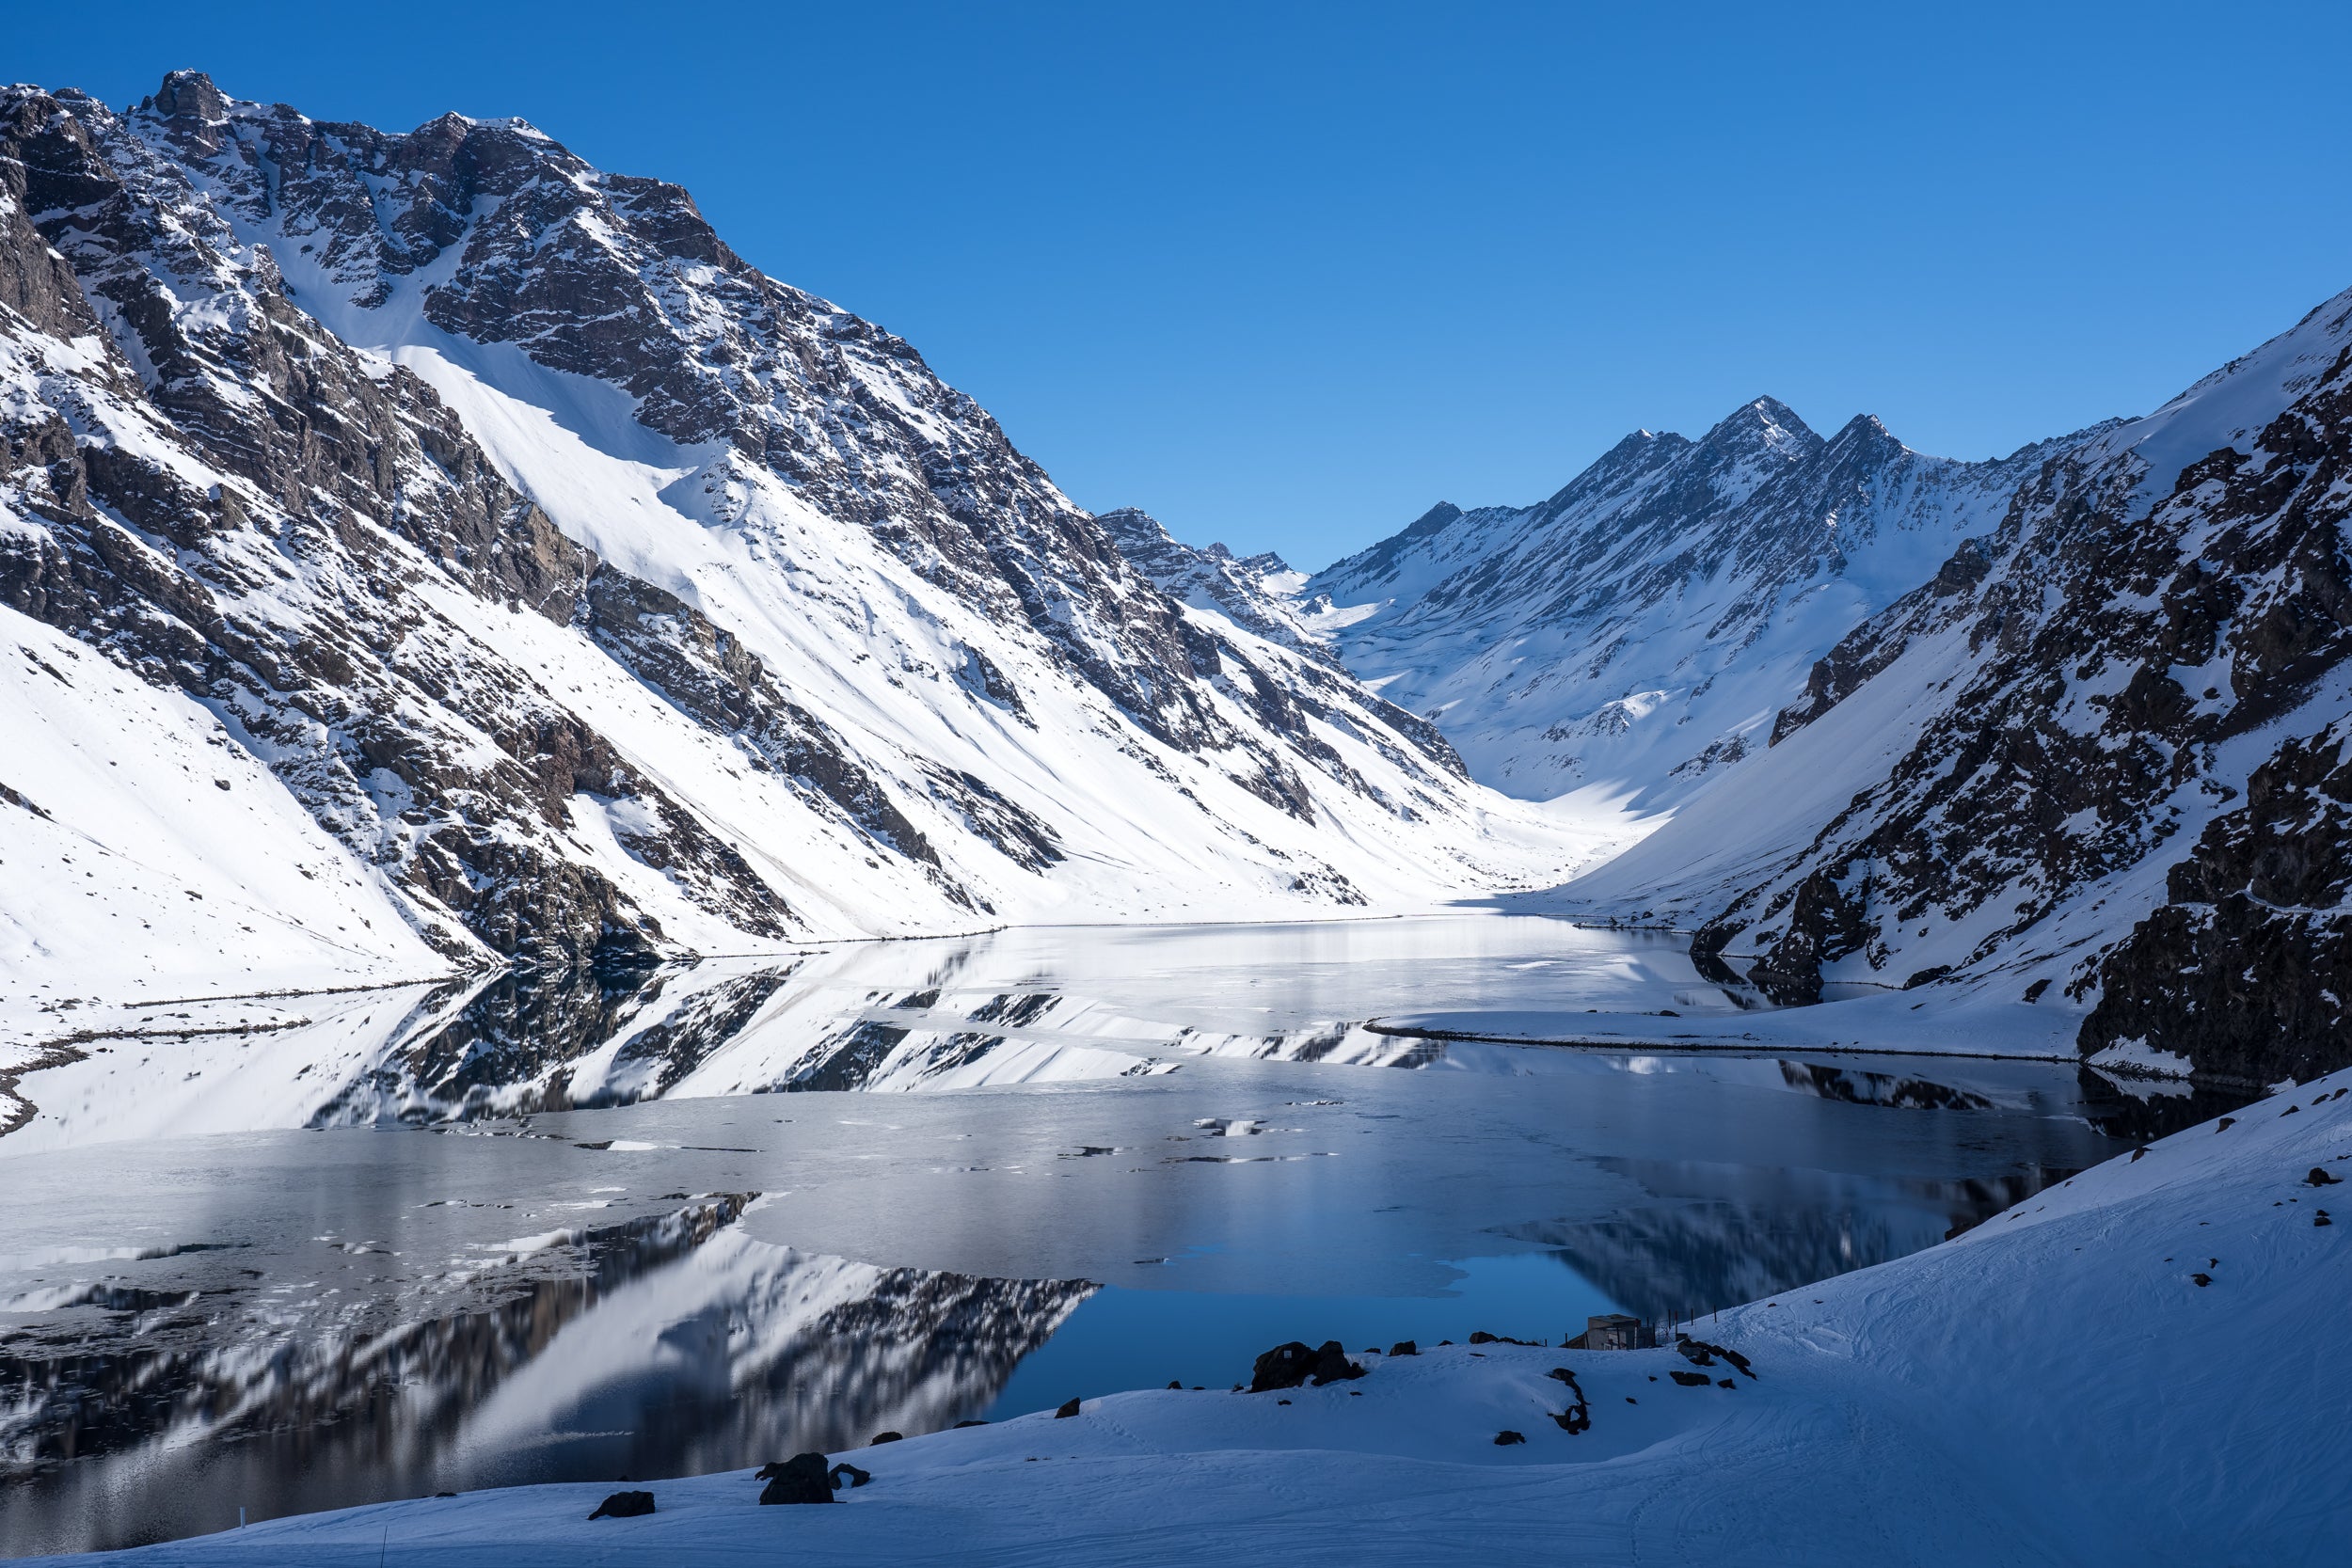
(400, 1243)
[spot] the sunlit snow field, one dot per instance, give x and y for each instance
(395, 1263)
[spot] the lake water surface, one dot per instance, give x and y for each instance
(645, 1226)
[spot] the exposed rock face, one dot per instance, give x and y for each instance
(230, 503)
(2242, 970)
(1254, 592)
(2110, 734)
(710, 675)
(605, 596)
(1641, 627)
(621, 279)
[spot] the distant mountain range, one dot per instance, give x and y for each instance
(1641, 629)
(2093, 762)
(2062, 731)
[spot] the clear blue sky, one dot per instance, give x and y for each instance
(1286, 275)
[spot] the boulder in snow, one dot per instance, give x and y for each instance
(625, 1505)
(1289, 1365)
(802, 1479)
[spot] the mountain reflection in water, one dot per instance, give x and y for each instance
(1001, 1008)
(1724, 1236)
(1013, 1007)
(669, 1345)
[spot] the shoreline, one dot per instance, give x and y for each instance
(1891, 1389)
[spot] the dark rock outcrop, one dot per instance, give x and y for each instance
(805, 1478)
(1578, 1417)
(625, 1505)
(1288, 1366)
(1700, 1354)
(2238, 971)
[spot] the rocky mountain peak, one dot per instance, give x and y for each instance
(1443, 516)
(1862, 451)
(1641, 441)
(190, 97)
(1865, 431)
(1211, 577)
(1763, 426)
(1630, 629)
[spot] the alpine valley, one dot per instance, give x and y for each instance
(600, 879)
(427, 552)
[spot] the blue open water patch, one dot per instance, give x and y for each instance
(1121, 1339)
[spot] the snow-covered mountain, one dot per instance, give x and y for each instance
(1260, 591)
(2093, 763)
(1638, 632)
(443, 549)
(2054, 739)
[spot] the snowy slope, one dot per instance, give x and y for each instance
(140, 837)
(2137, 1366)
(1637, 633)
(600, 598)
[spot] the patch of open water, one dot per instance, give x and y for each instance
(656, 1224)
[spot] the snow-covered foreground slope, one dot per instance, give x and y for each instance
(1636, 634)
(595, 596)
(2140, 1366)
